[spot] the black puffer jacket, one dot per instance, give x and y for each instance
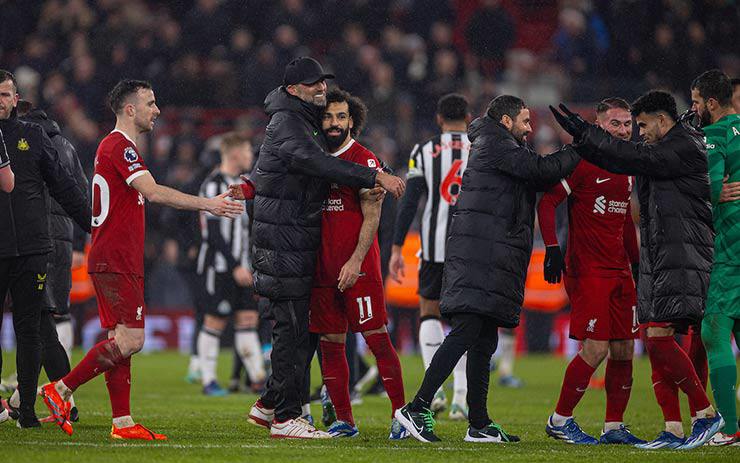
(490, 239)
(291, 182)
(24, 213)
(61, 226)
(676, 232)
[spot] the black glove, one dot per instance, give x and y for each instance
(690, 119)
(636, 272)
(554, 264)
(571, 122)
(385, 167)
(4, 158)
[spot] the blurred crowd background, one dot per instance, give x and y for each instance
(212, 62)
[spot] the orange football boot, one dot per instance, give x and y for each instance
(137, 431)
(57, 406)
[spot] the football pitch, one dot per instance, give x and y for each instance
(206, 429)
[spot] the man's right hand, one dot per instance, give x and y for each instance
(554, 264)
(392, 184)
(242, 276)
(396, 265)
(222, 206)
(730, 191)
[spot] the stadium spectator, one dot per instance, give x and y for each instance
(490, 33)
(26, 244)
(482, 292)
(736, 94)
(676, 247)
(286, 232)
(7, 177)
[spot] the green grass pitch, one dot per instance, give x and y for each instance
(207, 429)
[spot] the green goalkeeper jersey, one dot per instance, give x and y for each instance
(723, 150)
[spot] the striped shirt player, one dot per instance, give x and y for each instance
(224, 247)
(435, 169)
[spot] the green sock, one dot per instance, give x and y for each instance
(723, 387)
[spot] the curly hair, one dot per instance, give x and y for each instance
(357, 108)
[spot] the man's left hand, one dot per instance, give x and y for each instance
(349, 274)
(571, 122)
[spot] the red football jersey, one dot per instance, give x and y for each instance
(598, 205)
(118, 209)
(341, 221)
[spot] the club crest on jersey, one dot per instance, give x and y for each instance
(23, 145)
(129, 154)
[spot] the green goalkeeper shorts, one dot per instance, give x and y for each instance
(724, 291)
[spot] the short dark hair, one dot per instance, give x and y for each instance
(453, 107)
(735, 81)
(714, 84)
(655, 101)
(124, 89)
(7, 75)
(357, 108)
(505, 105)
(611, 103)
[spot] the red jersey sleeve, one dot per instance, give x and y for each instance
(127, 162)
(367, 158)
(550, 201)
(630, 237)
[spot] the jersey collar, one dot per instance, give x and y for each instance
(343, 150)
(124, 136)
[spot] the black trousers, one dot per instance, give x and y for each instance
(53, 356)
(25, 278)
(290, 353)
(478, 336)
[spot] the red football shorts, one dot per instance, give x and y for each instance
(602, 309)
(120, 299)
(361, 307)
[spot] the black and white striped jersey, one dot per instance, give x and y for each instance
(441, 162)
(225, 242)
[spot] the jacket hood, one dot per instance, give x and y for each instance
(38, 116)
(484, 125)
(280, 100)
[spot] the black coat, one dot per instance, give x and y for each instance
(291, 181)
(676, 232)
(61, 226)
(490, 239)
(24, 213)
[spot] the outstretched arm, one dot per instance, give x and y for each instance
(218, 205)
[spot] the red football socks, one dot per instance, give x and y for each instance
(667, 395)
(389, 368)
(673, 365)
(698, 357)
(574, 386)
(101, 358)
(336, 378)
(118, 381)
(618, 384)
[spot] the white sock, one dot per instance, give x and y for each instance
(506, 354)
(460, 381)
(194, 365)
(559, 420)
(612, 425)
(707, 412)
(675, 428)
(15, 399)
(66, 336)
(123, 421)
(431, 336)
(208, 346)
(305, 409)
(63, 390)
(250, 352)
